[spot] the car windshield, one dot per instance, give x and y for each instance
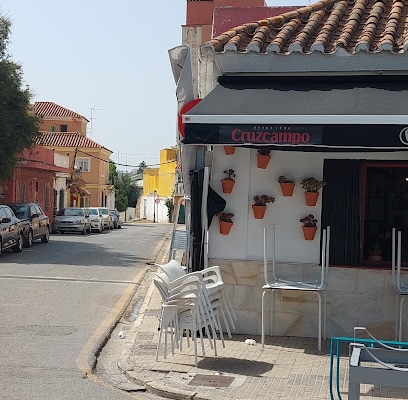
(71, 212)
(104, 211)
(21, 212)
(93, 211)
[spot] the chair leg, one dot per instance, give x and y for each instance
(319, 337)
(397, 316)
(263, 321)
(400, 317)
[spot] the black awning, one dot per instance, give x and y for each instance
(320, 113)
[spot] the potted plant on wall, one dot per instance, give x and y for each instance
(312, 186)
(286, 185)
(309, 226)
(228, 182)
(374, 252)
(229, 150)
(263, 156)
(259, 206)
(225, 221)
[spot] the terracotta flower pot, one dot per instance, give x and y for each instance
(229, 150)
(225, 227)
(263, 160)
(287, 188)
(259, 211)
(309, 232)
(227, 185)
(311, 198)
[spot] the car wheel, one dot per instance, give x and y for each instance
(46, 237)
(119, 226)
(29, 240)
(61, 232)
(84, 230)
(18, 247)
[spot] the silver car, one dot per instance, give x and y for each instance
(72, 219)
(107, 217)
(96, 219)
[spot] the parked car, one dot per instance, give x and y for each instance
(72, 219)
(96, 218)
(36, 225)
(11, 230)
(107, 218)
(116, 219)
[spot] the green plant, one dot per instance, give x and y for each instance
(312, 184)
(375, 247)
(230, 173)
(264, 151)
(283, 179)
(170, 208)
(226, 217)
(261, 200)
(309, 220)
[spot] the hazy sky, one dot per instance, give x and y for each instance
(107, 61)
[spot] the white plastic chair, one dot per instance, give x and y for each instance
(400, 288)
(318, 286)
(187, 307)
(213, 282)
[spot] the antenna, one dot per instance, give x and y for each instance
(93, 110)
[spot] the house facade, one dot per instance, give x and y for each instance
(64, 131)
(37, 176)
(323, 89)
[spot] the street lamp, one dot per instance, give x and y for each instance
(154, 205)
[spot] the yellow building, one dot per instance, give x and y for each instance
(64, 131)
(160, 184)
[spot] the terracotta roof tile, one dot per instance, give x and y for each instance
(50, 109)
(325, 26)
(67, 139)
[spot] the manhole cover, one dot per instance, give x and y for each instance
(211, 380)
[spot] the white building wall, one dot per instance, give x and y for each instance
(355, 296)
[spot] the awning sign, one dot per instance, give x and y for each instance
(343, 137)
(271, 134)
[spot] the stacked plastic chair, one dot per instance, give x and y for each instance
(213, 282)
(400, 288)
(187, 309)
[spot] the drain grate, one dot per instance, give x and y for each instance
(148, 346)
(211, 380)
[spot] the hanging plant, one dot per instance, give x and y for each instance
(225, 221)
(229, 150)
(263, 157)
(259, 206)
(228, 182)
(286, 185)
(312, 187)
(309, 226)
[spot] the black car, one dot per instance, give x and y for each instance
(36, 224)
(116, 219)
(11, 230)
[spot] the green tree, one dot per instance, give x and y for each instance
(127, 193)
(18, 127)
(141, 167)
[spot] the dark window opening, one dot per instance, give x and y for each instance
(362, 202)
(385, 206)
(63, 128)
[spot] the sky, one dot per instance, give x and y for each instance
(108, 62)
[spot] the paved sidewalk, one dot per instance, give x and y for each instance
(286, 368)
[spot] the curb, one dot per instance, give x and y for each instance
(87, 358)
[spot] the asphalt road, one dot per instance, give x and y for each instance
(56, 301)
